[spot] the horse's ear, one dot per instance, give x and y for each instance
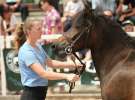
(87, 6)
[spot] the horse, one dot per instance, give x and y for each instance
(112, 50)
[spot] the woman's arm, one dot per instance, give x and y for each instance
(61, 64)
(10, 29)
(37, 68)
(132, 13)
(13, 7)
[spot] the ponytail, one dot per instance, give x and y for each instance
(20, 36)
(22, 31)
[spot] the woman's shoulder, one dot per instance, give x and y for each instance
(24, 47)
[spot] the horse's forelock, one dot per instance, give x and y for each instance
(87, 7)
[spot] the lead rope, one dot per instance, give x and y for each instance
(77, 71)
(72, 84)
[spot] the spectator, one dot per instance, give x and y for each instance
(8, 21)
(119, 7)
(52, 20)
(16, 5)
(103, 5)
(70, 10)
(129, 13)
(73, 7)
(109, 14)
(128, 26)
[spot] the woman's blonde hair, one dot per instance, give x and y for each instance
(29, 24)
(20, 36)
(22, 31)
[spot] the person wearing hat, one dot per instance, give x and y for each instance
(128, 26)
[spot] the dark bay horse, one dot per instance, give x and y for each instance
(113, 53)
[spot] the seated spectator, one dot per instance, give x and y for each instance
(109, 14)
(103, 6)
(73, 7)
(52, 20)
(70, 10)
(128, 26)
(16, 5)
(120, 7)
(128, 13)
(8, 21)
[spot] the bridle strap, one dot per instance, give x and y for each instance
(73, 42)
(78, 58)
(68, 50)
(77, 71)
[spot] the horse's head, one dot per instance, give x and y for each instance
(78, 36)
(91, 29)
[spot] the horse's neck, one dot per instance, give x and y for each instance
(106, 58)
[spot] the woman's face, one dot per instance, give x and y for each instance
(36, 30)
(7, 15)
(44, 6)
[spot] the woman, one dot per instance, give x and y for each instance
(8, 21)
(33, 63)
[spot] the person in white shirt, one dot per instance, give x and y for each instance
(70, 10)
(73, 7)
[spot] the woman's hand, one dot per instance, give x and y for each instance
(72, 77)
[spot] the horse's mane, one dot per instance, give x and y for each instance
(113, 30)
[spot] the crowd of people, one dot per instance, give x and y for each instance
(122, 11)
(8, 20)
(57, 14)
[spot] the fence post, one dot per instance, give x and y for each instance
(3, 74)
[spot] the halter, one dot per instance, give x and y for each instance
(69, 51)
(69, 48)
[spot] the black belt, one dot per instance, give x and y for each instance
(35, 88)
